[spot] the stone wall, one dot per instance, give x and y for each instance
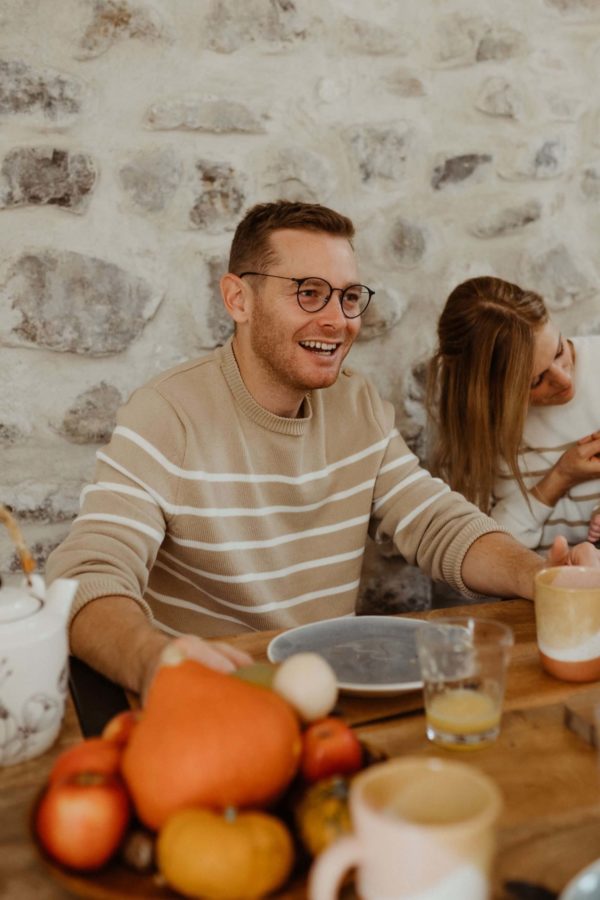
(463, 137)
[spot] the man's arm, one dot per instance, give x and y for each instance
(114, 636)
(499, 565)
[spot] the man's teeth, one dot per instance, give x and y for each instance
(318, 345)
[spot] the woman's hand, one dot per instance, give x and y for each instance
(579, 463)
(594, 530)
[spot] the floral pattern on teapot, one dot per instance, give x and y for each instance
(39, 713)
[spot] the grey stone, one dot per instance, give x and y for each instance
(413, 411)
(40, 504)
(151, 178)
(457, 168)
(25, 90)
(458, 38)
(575, 6)
(590, 183)
(203, 114)
(9, 434)
(404, 83)
(389, 585)
(40, 551)
(221, 196)
(500, 43)
(372, 39)
(380, 151)
(565, 107)
(92, 417)
(498, 97)
(557, 277)
(116, 19)
(78, 304)
(293, 173)
(219, 321)
(538, 161)
(38, 176)
(383, 312)
(231, 24)
(497, 222)
(465, 40)
(407, 243)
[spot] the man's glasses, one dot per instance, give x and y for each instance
(315, 293)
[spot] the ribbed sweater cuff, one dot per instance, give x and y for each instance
(93, 588)
(452, 565)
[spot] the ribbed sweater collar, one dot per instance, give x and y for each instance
(250, 407)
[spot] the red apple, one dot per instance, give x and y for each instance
(91, 755)
(329, 747)
(81, 820)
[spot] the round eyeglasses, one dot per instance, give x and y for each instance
(313, 294)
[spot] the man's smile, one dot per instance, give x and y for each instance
(327, 347)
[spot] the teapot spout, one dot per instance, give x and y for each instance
(60, 596)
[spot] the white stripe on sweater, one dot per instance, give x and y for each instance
(416, 476)
(227, 546)
(219, 512)
(185, 604)
(113, 486)
(275, 573)
(419, 509)
(264, 607)
(122, 520)
(201, 475)
(400, 461)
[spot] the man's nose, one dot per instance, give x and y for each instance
(332, 311)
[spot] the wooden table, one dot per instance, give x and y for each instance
(550, 826)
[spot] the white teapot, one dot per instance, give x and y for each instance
(33, 659)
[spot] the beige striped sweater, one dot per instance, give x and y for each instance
(219, 517)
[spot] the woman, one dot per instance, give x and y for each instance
(514, 403)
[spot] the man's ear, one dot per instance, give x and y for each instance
(236, 297)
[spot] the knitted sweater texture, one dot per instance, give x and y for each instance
(548, 432)
(218, 516)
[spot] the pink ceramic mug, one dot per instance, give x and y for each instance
(567, 615)
(424, 829)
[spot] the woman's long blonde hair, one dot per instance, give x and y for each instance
(479, 381)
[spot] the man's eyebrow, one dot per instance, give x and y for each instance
(558, 346)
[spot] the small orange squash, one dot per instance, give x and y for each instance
(208, 739)
(239, 855)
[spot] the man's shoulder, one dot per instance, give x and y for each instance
(354, 394)
(201, 367)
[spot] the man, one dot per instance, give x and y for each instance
(237, 490)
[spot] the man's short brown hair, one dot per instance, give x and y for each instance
(251, 248)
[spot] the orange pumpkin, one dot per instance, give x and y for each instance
(204, 854)
(207, 739)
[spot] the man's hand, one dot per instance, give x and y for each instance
(560, 554)
(215, 654)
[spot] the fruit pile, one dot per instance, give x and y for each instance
(219, 785)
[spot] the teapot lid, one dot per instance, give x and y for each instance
(15, 604)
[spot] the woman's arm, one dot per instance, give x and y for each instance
(579, 463)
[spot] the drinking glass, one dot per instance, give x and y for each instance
(463, 663)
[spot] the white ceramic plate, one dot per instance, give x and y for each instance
(585, 885)
(372, 656)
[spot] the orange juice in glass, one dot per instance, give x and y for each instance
(463, 665)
